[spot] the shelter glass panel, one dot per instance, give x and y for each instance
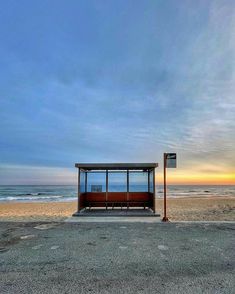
(138, 181)
(117, 182)
(82, 182)
(151, 182)
(96, 182)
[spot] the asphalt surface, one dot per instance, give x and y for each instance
(117, 258)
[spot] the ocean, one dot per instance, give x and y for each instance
(43, 193)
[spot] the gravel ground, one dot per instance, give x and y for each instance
(117, 258)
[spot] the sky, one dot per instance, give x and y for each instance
(117, 81)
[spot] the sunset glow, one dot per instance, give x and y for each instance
(192, 178)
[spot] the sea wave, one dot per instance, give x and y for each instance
(26, 198)
(32, 194)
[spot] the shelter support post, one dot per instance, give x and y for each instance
(85, 182)
(107, 187)
(154, 192)
(127, 187)
(79, 189)
(148, 181)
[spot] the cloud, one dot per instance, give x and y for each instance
(207, 130)
(123, 85)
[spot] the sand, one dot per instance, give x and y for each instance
(201, 209)
(182, 209)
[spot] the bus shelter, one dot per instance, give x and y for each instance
(116, 185)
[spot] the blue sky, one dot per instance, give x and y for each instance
(115, 81)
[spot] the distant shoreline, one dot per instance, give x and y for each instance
(64, 200)
(157, 198)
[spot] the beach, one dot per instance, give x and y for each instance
(181, 209)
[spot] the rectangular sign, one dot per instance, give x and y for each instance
(96, 188)
(170, 160)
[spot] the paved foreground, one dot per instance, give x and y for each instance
(117, 258)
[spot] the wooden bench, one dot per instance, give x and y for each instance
(118, 204)
(117, 199)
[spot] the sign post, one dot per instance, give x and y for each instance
(169, 161)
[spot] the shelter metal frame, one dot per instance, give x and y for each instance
(90, 199)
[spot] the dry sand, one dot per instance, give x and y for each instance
(201, 209)
(212, 209)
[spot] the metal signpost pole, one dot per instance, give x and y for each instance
(165, 218)
(169, 162)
